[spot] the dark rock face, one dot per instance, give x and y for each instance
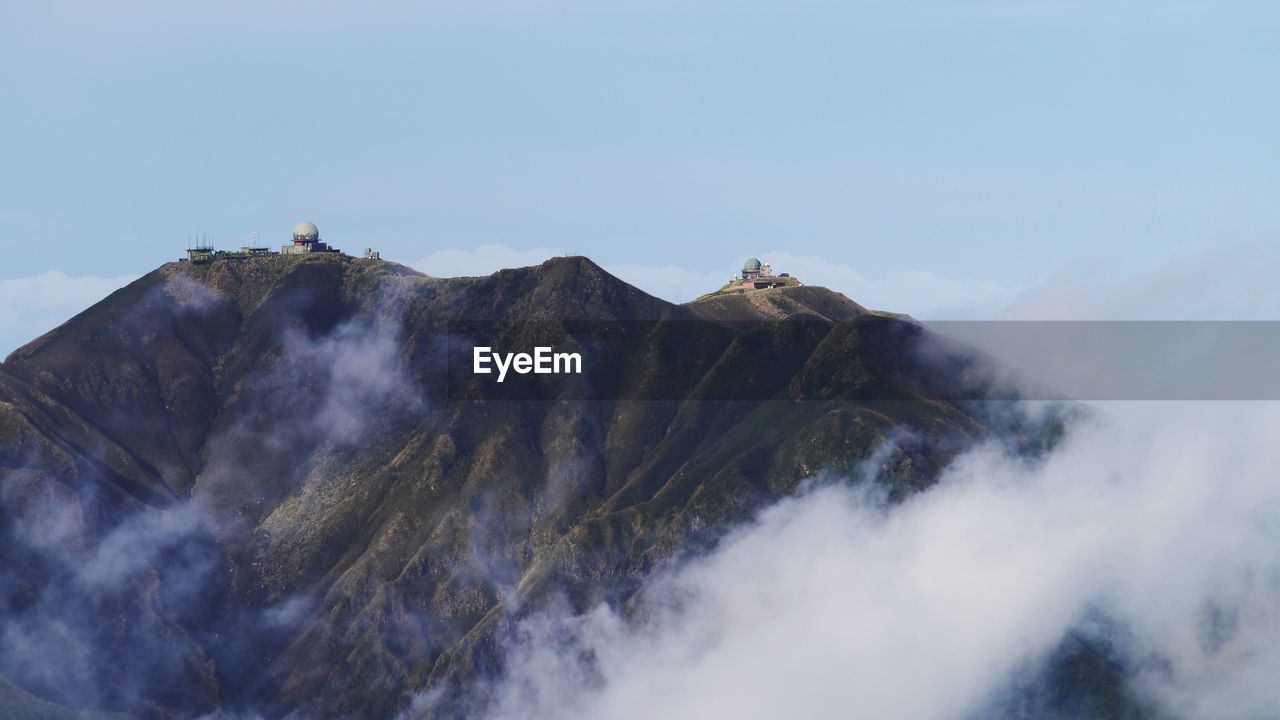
(241, 486)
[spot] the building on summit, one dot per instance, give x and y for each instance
(756, 275)
(753, 268)
(203, 252)
(306, 239)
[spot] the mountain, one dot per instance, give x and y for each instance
(261, 484)
(778, 304)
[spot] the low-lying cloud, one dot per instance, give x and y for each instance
(31, 306)
(482, 260)
(1159, 518)
(115, 605)
(1233, 282)
(1214, 284)
(920, 292)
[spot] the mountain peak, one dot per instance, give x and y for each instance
(288, 424)
(778, 303)
(566, 288)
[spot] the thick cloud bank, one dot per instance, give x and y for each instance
(1160, 519)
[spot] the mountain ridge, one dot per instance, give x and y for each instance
(269, 442)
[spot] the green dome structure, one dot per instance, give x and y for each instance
(756, 275)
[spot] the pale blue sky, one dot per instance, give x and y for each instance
(989, 142)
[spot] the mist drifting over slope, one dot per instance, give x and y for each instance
(330, 538)
(1152, 527)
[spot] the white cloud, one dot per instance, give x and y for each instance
(483, 260)
(836, 605)
(918, 292)
(1222, 283)
(670, 282)
(921, 293)
(31, 306)
(1229, 283)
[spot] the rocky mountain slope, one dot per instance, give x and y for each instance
(249, 486)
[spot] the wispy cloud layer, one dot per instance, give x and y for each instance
(31, 306)
(1228, 283)
(835, 604)
(483, 260)
(1220, 283)
(1235, 282)
(916, 291)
